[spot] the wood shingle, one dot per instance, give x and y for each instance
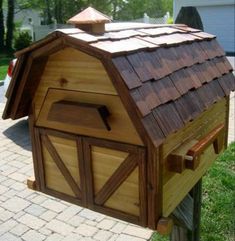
(172, 72)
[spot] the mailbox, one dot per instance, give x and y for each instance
(125, 118)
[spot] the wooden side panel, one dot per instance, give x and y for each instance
(82, 114)
(54, 179)
(105, 176)
(60, 164)
(104, 163)
(67, 150)
(73, 70)
(180, 184)
(120, 124)
(176, 186)
(116, 178)
(197, 129)
(128, 195)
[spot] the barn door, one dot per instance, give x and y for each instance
(106, 176)
(61, 165)
(115, 173)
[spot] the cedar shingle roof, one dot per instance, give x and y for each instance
(173, 85)
(172, 72)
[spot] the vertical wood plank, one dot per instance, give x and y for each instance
(88, 172)
(154, 186)
(62, 167)
(35, 151)
(116, 179)
(21, 87)
(142, 187)
(196, 193)
(40, 159)
(81, 164)
(180, 232)
(227, 122)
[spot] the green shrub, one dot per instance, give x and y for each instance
(23, 40)
(170, 20)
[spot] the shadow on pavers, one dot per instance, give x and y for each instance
(19, 134)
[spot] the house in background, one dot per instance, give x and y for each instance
(218, 17)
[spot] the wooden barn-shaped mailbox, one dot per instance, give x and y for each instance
(125, 118)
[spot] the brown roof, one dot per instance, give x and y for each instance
(89, 16)
(172, 73)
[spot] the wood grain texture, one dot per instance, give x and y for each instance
(105, 162)
(35, 150)
(195, 130)
(21, 85)
(78, 70)
(114, 176)
(53, 178)
(143, 186)
(118, 177)
(62, 167)
(31, 183)
(180, 184)
(187, 216)
(127, 101)
(165, 226)
(121, 126)
(196, 150)
(176, 160)
(48, 49)
(69, 154)
(126, 198)
(82, 114)
(13, 86)
(154, 185)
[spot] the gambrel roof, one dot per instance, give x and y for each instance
(168, 74)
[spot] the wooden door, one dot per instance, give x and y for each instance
(105, 176)
(116, 177)
(60, 165)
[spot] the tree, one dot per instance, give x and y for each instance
(134, 9)
(10, 24)
(2, 30)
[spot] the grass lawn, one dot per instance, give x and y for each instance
(218, 211)
(4, 62)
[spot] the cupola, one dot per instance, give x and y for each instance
(90, 20)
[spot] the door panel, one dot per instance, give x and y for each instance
(104, 163)
(105, 176)
(114, 172)
(68, 151)
(127, 194)
(60, 160)
(54, 179)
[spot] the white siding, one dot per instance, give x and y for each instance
(218, 17)
(196, 3)
(219, 20)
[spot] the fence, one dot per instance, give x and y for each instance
(147, 19)
(39, 32)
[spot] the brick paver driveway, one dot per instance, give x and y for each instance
(32, 216)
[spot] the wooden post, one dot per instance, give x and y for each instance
(196, 193)
(187, 216)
